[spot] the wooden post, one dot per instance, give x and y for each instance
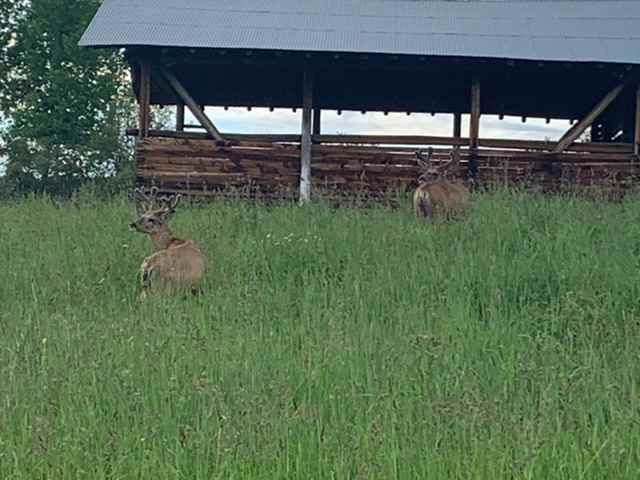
(474, 127)
(578, 129)
(636, 141)
(144, 99)
(305, 147)
(457, 125)
(317, 115)
(197, 111)
(180, 116)
(474, 120)
(457, 134)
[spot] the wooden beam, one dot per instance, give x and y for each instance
(144, 99)
(317, 119)
(400, 142)
(306, 139)
(578, 129)
(474, 128)
(457, 133)
(197, 111)
(180, 116)
(457, 125)
(474, 121)
(636, 141)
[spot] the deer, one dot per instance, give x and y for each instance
(439, 194)
(175, 264)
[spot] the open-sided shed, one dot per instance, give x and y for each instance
(573, 59)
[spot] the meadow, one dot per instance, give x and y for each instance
(328, 344)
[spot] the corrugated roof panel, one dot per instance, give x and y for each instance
(570, 30)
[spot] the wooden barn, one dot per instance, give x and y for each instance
(574, 60)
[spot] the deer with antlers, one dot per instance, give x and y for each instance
(175, 264)
(439, 193)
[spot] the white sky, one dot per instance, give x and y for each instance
(261, 120)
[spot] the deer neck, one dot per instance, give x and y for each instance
(162, 239)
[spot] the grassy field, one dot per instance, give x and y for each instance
(329, 344)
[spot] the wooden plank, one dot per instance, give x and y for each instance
(263, 138)
(397, 142)
(144, 100)
(197, 111)
(237, 137)
(389, 140)
(306, 138)
(578, 129)
(543, 145)
(213, 177)
(187, 151)
(180, 116)
(636, 142)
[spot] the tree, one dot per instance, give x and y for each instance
(66, 107)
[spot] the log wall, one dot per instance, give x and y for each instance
(203, 167)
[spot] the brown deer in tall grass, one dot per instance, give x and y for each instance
(439, 193)
(175, 264)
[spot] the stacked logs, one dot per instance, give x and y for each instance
(201, 167)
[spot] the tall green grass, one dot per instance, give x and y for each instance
(328, 344)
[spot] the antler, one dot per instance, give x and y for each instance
(170, 202)
(452, 164)
(144, 201)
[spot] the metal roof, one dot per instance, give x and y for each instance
(562, 30)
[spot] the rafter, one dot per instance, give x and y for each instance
(197, 111)
(578, 129)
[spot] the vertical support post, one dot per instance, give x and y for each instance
(457, 134)
(180, 116)
(457, 125)
(305, 147)
(144, 99)
(474, 127)
(474, 121)
(317, 116)
(636, 141)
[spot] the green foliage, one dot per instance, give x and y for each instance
(328, 344)
(66, 106)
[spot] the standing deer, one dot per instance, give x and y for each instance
(438, 193)
(175, 264)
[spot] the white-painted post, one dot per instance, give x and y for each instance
(306, 142)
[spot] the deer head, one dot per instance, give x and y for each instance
(427, 171)
(153, 213)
